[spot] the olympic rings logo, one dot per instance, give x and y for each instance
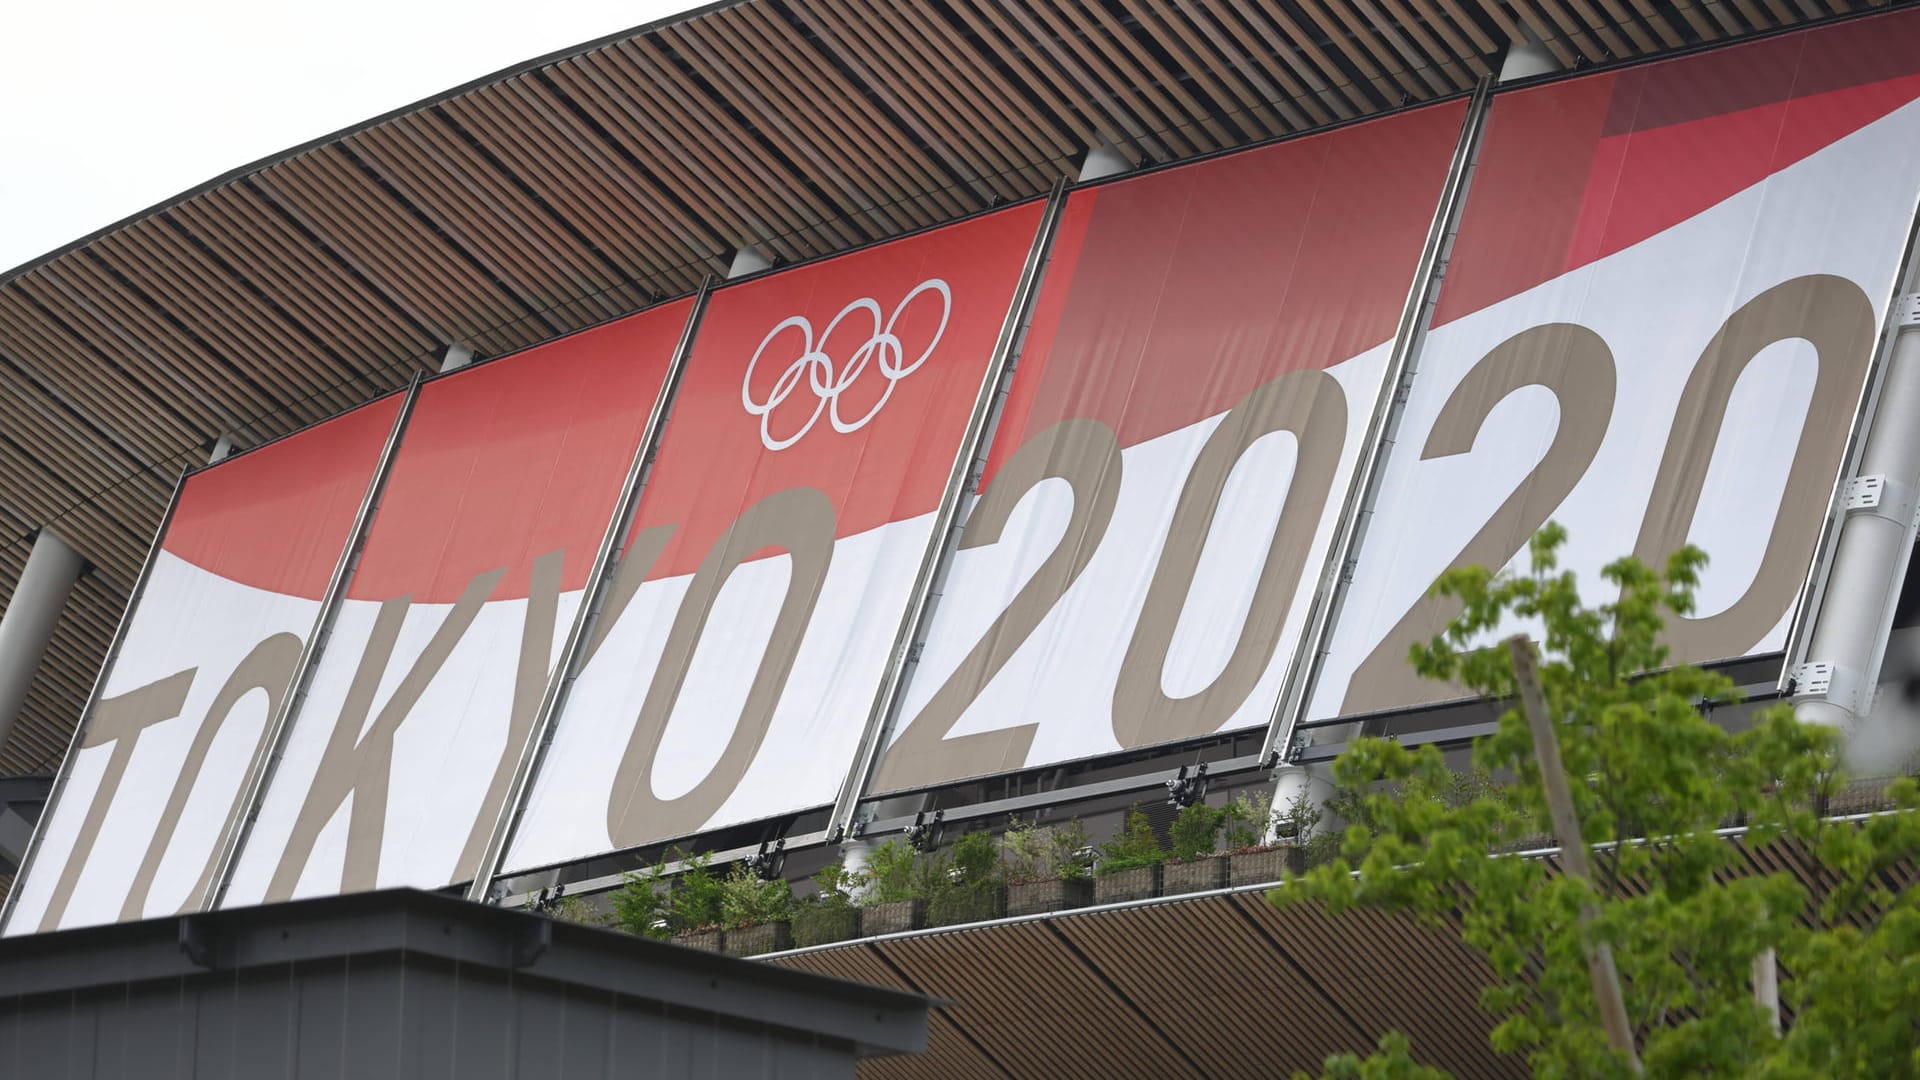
(827, 381)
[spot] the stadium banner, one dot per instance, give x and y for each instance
(1658, 319)
(153, 782)
(1166, 475)
(396, 765)
(747, 629)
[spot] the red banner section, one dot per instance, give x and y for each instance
(1572, 172)
(1205, 353)
(400, 756)
(777, 541)
(209, 650)
(1655, 329)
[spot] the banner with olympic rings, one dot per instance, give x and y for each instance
(777, 541)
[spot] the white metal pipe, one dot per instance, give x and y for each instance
(1292, 783)
(27, 625)
(1834, 686)
(854, 856)
(1766, 985)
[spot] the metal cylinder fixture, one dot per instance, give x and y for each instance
(27, 625)
(455, 356)
(1300, 794)
(1102, 162)
(1834, 686)
(748, 261)
(1526, 57)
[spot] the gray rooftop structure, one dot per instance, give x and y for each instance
(401, 983)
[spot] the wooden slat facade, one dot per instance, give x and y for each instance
(1219, 985)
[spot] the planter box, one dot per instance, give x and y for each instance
(1052, 894)
(1138, 883)
(1264, 865)
(894, 918)
(710, 940)
(825, 925)
(956, 906)
(1197, 875)
(759, 938)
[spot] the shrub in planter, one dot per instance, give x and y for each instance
(712, 939)
(1049, 894)
(577, 909)
(758, 938)
(1129, 866)
(1253, 861)
(1045, 868)
(971, 889)
(967, 902)
(643, 905)
(893, 916)
(822, 924)
(1262, 865)
(1192, 864)
(695, 908)
(829, 914)
(896, 896)
(757, 913)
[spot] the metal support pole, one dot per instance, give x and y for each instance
(967, 462)
(31, 615)
(273, 741)
(93, 698)
(592, 600)
(1357, 506)
(1300, 794)
(1834, 686)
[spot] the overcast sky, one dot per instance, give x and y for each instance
(111, 106)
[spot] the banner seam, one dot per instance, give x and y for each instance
(1402, 366)
(566, 666)
(260, 772)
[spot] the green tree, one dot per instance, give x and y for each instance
(969, 885)
(747, 900)
(896, 872)
(643, 904)
(1033, 852)
(1651, 780)
(1246, 820)
(1195, 832)
(975, 857)
(1133, 847)
(698, 901)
